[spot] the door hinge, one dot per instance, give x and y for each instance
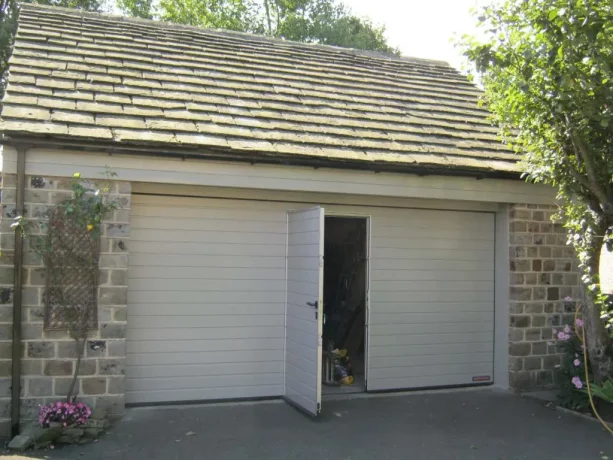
(318, 408)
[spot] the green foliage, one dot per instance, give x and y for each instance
(88, 207)
(572, 366)
(547, 70)
(603, 391)
(137, 8)
(219, 14)
(326, 22)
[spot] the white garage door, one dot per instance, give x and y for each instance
(206, 299)
(431, 299)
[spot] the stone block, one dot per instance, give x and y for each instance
(531, 279)
(114, 366)
(103, 277)
(117, 348)
(533, 334)
(39, 387)
(544, 378)
(34, 314)
(553, 293)
(116, 385)
(537, 265)
(37, 277)
(31, 331)
(520, 265)
(539, 321)
(20, 443)
(6, 314)
(534, 308)
(520, 293)
(539, 348)
(114, 404)
(61, 386)
(5, 350)
(520, 349)
(520, 380)
(113, 331)
(5, 368)
(36, 196)
(124, 188)
(516, 335)
(31, 296)
(96, 348)
(88, 367)
(119, 245)
(544, 251)
(58, 368)
(119, 277)
(93, 386)
(551, 361)
(40, 349)
(113, 296)
(120, 314)
(6, 331)
(31, 367)
(520, 321)
(539, 293)
(114, 260)
(516, 364)
(532, 363)
(117, 230)
(549, 265)
(67, 349)
(57, 335)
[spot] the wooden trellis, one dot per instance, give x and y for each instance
(71, 272)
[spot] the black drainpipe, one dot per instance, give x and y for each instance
(17, 294)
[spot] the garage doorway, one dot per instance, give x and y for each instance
(345, 304)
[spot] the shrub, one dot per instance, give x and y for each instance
(571, 374)
(66, 413)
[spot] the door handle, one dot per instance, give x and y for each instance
(313, 304)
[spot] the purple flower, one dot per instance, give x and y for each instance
(568, 299)
(579, 322)
(577, 382)
(563, 336)
(567, 329)
(577, 363)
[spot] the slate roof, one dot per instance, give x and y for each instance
(123, 82)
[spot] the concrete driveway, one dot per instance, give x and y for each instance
(479, 424)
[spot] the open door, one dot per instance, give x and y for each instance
(304, 309)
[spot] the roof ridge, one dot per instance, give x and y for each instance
(232, 33)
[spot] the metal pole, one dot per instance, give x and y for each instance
(17, 295)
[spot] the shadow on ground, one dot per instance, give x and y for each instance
(475, 425)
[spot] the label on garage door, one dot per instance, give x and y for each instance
(481, 378)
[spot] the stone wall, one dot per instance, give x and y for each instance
(48, 357)
(543, 272)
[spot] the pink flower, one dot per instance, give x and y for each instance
(576, 362)
(567, 329)
(577, 382)
(563, 336)
(568, 299)
(579, 322)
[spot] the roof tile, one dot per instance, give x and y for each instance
(142, 82)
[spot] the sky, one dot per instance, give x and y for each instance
(421, 28)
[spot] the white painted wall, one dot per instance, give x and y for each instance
(53, 162)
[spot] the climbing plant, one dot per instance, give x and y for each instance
(67, 239)
(546, 67)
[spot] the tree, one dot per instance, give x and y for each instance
(313, 21)
(547, 70)
(8, 26)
